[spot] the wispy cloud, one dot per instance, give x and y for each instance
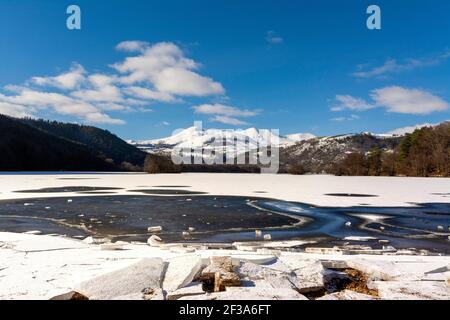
(347, 102)
(273, 38)
(132, 46)
(149, 94)
(352, 117)
(225, 110)
(228, 120)
(225, 114)
(392, 66)
(163, 124)
(394, 99)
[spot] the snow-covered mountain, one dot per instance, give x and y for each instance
(234, 140)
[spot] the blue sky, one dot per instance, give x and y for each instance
(144, 68)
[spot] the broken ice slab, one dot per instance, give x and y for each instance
(155, 229)
(132, 280)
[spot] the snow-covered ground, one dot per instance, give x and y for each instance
(43, 266)
(312, 189)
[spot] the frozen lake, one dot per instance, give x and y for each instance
(409, 212)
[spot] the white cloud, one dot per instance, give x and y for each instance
(338, 119)
(159, 72)
(165, 67)
(132, 46)
(30, 102)
(228, 120)
(163, 123)
(14, 110)
(145, 93)
(273, 38)
(391, 66)
(68, 80)
(111, 106)
(349, 118)
(224, 110)
(98, 117)
(101, 90)
(394, 99)
(347, 102)
(225, 114)
(409, 101)
(184, 82)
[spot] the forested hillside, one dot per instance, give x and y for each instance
(37, 145)
(102, 142)
(423, 153)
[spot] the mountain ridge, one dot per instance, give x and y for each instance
(194, 137)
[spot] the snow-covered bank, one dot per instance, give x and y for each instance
(44, 266)
(313, 189)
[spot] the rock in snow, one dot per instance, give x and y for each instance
(72, 295)
(220, 273)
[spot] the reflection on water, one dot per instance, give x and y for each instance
(227, 219)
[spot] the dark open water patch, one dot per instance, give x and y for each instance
(355, 195)
(128, 217)
(96, 192)
(167, 191)
(227, 219)
(68, 189)
(172, 186)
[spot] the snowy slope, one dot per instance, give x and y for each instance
(235, 141)
(319, 154)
